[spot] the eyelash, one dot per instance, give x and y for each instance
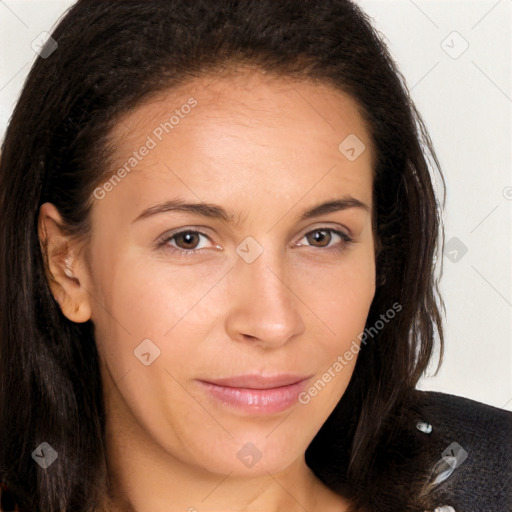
(164, 244)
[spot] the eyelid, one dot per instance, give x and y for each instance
(202, 230)
(325, 226)
(166, 237)
(346, 239)
(197, 229)
(164, 241)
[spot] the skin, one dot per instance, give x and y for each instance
(265, 148)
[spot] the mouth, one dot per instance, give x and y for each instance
(256, 394)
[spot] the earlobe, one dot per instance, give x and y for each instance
(60, 261)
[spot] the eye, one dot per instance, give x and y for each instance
(187, 242)
(183, 243)
(324, 236)
(187, 239)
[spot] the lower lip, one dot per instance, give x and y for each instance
(258, 401)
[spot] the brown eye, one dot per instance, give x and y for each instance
(185, 243)
(323, 239)
(186, 239)
(320, 236)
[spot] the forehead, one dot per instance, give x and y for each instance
(246, 132)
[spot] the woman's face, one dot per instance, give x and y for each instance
(245, 291)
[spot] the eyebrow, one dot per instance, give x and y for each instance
(214, 211)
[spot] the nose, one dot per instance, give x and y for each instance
(264, 305)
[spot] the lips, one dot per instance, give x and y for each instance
(255, 394)
(258, 381)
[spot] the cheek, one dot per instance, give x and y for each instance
(341, 299)
(145, 297)
(178, 309)
(344, 310)
(140, 300)
(341, 294)
(149, 322)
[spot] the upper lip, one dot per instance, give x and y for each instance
(258, 381)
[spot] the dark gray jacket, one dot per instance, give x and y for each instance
(461, 447)
(474, 444)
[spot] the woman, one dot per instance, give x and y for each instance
(219, 229)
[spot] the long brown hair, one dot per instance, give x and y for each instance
(111, 56)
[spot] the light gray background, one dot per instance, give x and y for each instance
(465, 98)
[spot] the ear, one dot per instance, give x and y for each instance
(64, 269)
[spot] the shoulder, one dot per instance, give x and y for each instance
(470, 446)
(435, 450)
(462, 413)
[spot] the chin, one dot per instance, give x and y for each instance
(251, 458)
